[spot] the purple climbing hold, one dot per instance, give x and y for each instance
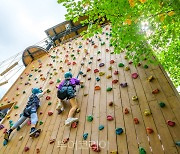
(123, 85)
(101, 64)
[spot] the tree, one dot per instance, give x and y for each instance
(144, 28)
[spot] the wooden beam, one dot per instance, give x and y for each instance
(9, 68)
(2, 83)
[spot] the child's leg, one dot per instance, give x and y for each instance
(34, 119)
(74, 106)
(60, 105)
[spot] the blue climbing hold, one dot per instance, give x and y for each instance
(5, 142)
(119, 131)
(101, 127)
(36, 91)
(80, 72)
(85, 135)
(97, 79)
(178, 143)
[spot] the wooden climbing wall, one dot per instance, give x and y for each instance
(115, 102)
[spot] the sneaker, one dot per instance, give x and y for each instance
(59, 106)
(32, 131)
(70, 120)
(7, 134)
(61, 110)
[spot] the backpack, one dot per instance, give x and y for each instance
(33, 100)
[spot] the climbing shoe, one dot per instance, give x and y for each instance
(60, 110)
(7, 134)
(32, 131)
(70, 121)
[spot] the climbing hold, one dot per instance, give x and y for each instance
(97, 88)
(155, 91)
(119, 131)
(98, 59)
(5, 142)
(134, 75)
(78, 110)
(145, 66)
(101, 127)
(147, 112)
(84, 75)
(116, 72)
(111, 103)
(1, 126)
(110, 118)
(109, 89)
(115, 81)
(74, 63)
(20, 138)
(127, 68)
(97, 79)
(101, 64)
(48, 90)
(178, 143)
(123, 85)
(150, 78)
(91, 58)
(110, 68)
(90, 118)
(16, 107)
(107, 50)
(136, 121)
(40, 122)
(50, 113)
(121, 65)
(125, 57)
(95, 46)
(95, 148)
(89, 62)
(28, 122)
(65, 140)
(74, 124)
(85, 135)
(113, 152)
(126, 111)
(89, 78)
(162, 104)
(37, 150)
(109, 76)
(96, 70)
(80, 72)
(26, 149)
(40, 112)
(130, 62)
(82, 64)
(49, 103)
(171, 123)
(134, 98)
(5, 130)
(85, 94)
(149, 130)
(11, 123)
(88, 69)
(102, 43)
(24, 92)
(101, 73)
(141, 150)
(139, 64)
(48, 97)
(52, 141)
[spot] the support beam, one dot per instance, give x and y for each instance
(9, 68)
(3, 83)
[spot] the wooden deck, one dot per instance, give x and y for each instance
(96, 103)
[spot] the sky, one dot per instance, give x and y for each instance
(22, 24)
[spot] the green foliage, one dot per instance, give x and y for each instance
(159, 37)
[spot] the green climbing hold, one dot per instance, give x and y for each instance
(121, 65)
(107, 34)
(109, 89)
(110, 45)
(162, 104)
(72, 55)
(11, 123)
(102, 43)
(58, 81)
(141, 150)
(90, 62)
(40, 122)
(82, 86)
(49, 103)
(16, 107)
(74, 58)
(98, 52)
(90, 118)
(101, 127)
(145, 66)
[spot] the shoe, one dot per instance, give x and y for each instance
(70, 120)
(32, 131)
(7, 134)
(18, 128)
(61, 110)
(59, 106)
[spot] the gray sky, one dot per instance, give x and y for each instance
(22, 24)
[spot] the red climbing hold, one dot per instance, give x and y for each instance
(51, 82)
(116, 72)
(95, 148)
(136, 121)
(111, 103)
(134, 75)
(111, 61)
(74, 124)
(130, 62)
(26, 149)
(74, 63)
(171, 123)
(110, 118)
(5, 130)
(95, 46)
(52, 141)
(149, 130)
(37, 150)
(50, 113)
(48, 97)
(96, 70)
(155, 91)
(126, 111)
(69, 63)
(107, 50)
(115, 81)
(28, 122)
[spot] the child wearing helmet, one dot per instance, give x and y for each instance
(30, 111)
(66, 90)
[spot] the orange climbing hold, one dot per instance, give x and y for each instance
(115, 81)
(126, 111)
(97, 88)
(149, 130)
(136, 121)
(155, 91)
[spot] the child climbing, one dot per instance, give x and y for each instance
(30, 111)
(67, 90)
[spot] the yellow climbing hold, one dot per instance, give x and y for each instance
(147, 112)
(101, 73)
(109, 76)
(171, 13)
(126, 68)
